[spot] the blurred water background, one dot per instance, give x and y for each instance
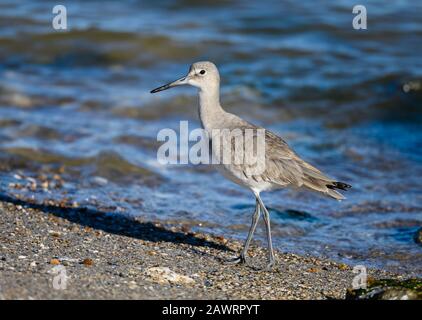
(78, 125)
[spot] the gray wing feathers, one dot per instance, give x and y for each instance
(284, 167)
(295, 171)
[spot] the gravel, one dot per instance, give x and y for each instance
(51, 252)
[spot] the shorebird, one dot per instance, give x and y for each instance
(283, 167)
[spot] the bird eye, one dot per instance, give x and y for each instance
(202, 72)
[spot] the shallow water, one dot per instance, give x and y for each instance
(78, 125)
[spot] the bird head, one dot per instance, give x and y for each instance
(203, 75)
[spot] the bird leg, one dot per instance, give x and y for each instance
(255, 219)
(266, 217)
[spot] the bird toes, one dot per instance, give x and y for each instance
(269, 266)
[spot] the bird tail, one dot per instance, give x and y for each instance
(317, 181)
(337, 185)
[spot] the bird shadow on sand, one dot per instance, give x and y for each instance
(116, 223)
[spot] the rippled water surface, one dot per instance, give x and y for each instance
(78, 125)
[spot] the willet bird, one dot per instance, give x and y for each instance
(283, 167)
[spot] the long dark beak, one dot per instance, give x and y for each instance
(178, 82)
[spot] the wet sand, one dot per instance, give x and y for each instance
(109, 256)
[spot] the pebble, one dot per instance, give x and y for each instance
(165, 275)
(99, 181)
(343, 266)
(88, 262)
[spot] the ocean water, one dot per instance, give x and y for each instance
(78, 125)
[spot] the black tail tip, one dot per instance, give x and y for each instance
(339, 185)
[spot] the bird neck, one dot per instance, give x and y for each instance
(210, 110)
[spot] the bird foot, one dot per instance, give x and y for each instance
(242, 260)
(268, 267)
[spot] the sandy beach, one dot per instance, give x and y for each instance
(108, 256)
